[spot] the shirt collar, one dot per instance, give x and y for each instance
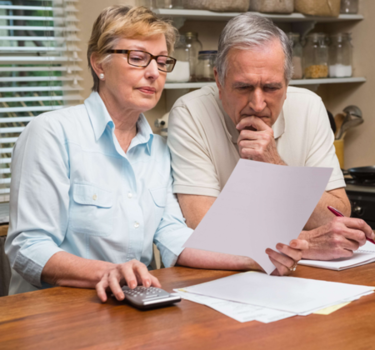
(98, 114)
(100, 118)
(144, 134)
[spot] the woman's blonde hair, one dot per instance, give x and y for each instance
(118, 22)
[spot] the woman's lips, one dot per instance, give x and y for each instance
(147, 90)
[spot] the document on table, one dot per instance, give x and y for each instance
(364, 255)
(289, 294)
(238, 311)
(261, 205)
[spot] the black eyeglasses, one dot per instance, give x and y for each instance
(138, 58)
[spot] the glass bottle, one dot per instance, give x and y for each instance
(315, 57)
(193, 45)
(340, 56)
(181, 71)
(349, 6)
(205, 67)
(169, 4)
(297, 55)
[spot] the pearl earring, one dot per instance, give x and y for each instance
(101, 76)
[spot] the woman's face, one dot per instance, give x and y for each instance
(134, 88)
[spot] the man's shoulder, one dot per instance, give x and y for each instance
(296, 94)
(203, 95)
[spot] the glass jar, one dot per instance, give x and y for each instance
(206, 63)
(315, 57)
(297, 55)
(340, 56)
(349, 6)
(181, 71)
(169, 4)
(193, 45)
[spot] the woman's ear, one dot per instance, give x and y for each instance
(96, 66)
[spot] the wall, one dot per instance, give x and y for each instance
(359, 142)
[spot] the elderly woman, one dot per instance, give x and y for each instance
(91, 184)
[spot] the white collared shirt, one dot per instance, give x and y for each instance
(203, 140)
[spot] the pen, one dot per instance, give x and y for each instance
(338, 213)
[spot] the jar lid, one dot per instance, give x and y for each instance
(191, 34)
(293, 35)
(317, 37)
(207, 52)
(341, 36)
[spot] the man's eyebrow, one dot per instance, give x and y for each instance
(273, 85)
(240, 84)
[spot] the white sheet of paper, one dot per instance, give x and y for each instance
(364, 255)
(261, 204)
(291, 294)
(238, 311)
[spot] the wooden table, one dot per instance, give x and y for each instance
(68, 318)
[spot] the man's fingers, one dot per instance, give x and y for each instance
(300, 244)
(252, 121)
(280, 258)
(294, 254)
(281, 270)
(357, 224)
(101, 288)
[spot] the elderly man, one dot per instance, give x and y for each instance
(253, 114)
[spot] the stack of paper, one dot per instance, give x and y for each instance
(238, 311)
(364, 255)
(289, 295)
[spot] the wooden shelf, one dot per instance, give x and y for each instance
(292, 82)
(224, 16)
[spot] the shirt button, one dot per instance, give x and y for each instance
(130, 195)
(94, 197)
(136, 224)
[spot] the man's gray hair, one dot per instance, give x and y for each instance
(247, 31)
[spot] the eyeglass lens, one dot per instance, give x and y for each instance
(142, 59)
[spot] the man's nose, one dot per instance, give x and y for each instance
(152, 71)
(257, 101)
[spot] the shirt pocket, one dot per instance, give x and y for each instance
(91, 210)
(159, 196)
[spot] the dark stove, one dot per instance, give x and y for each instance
(362, 199)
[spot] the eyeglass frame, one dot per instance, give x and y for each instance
(152, 57)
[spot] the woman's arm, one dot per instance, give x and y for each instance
(68, 270)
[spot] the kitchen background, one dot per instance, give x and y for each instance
(359, 142)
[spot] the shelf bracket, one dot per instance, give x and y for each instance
(303, 28)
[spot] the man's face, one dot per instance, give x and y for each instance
(255, 83)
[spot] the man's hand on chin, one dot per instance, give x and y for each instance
(337, 239)
(256, 141)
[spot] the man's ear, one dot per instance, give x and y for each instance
(96, 66)
(217, 81)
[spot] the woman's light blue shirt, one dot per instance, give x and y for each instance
(74, 189)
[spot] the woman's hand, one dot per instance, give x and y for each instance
(132, 273)
(288, 257)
